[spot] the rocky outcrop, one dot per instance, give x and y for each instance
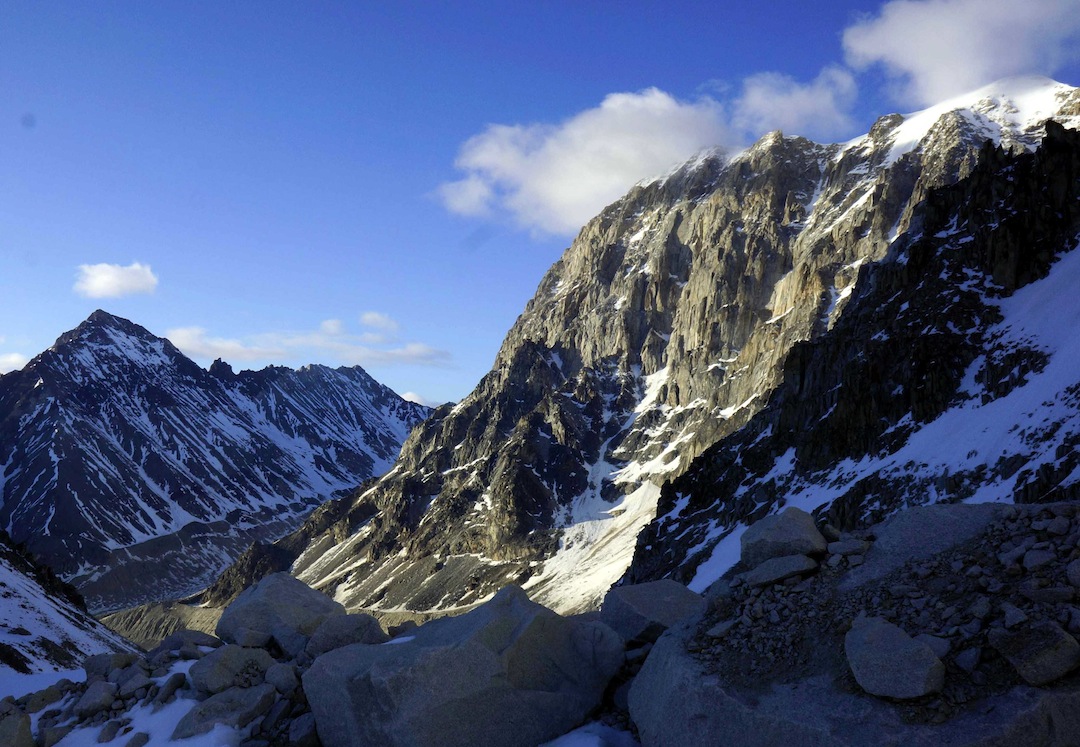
(510, 672)
(945, 379)
(278, 609)
(137, 474)
(665, 326)
(934, 635)
(641, 612)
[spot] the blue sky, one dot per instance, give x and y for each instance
(340, 183)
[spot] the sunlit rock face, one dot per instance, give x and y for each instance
(666, 326)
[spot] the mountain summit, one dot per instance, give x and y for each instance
(122, 455)
(665, 327)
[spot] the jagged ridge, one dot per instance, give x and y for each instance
(137, 473)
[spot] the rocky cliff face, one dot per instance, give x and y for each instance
(664, 327)
(139, 475)
(951, 376)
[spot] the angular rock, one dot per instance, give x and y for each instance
(849, 547)
(230, 666)
(283, 678)
(1039, 653)
(15, 730)
(236, 707)
(138, 739)
(101, 665)
(777, 569)
(940, 646)
(1036, 559)
(342, 630)
(302, 732)
(184, 637)
(1072, 573)
(109, 732)
(136, 681)
(99, 696)
(791, 532)
(175, 682)
(887, 662)
(509, 672)
(279, 606)
(641, 612)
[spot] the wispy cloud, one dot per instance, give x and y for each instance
(12, 362)
(378, 320)
(816, 110)
(419, 399)
(330, 343)
(935, 49)
(195, 342)
(553, 177)
(114, 281)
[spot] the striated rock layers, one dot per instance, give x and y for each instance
(949, 377)
(138, 475)
(664, 327)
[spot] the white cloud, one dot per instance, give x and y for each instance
(555, 177)
(12, 361)
(331, 342)
(332, 327)
(935, 49)
(817, 110)
(378, 321)
(194, 342)
(113, 281)
(419, 399)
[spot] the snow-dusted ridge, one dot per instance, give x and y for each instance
(664, 328)
(119, 451)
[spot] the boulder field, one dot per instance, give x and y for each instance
(945, 625)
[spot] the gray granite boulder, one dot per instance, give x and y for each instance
(15, 729)
(230, 666)
(507, 673)
(236, 707)
(342, 630)
(99, 696)
(888, 662)
(644, 611)
(791, 532)
(775, 570)
(279, 606)
(1040, 653)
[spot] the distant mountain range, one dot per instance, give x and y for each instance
(814, 311)
(138, 475)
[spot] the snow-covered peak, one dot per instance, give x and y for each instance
(1010, 112)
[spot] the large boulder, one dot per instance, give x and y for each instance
(775, 570)
(792, 532)
(1040, 653)
(888, 662)
(342, 630)
(230, 666)
(236, 707)
(510, 672)
(644, 611)
(279, 607)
